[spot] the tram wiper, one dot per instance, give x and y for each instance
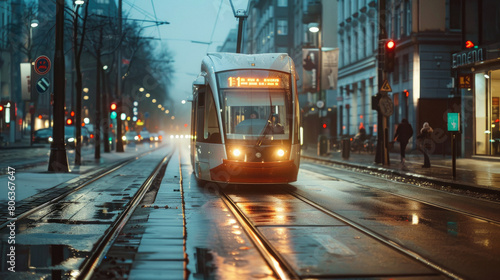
(268, 124)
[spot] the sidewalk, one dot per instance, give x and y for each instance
(472, 174)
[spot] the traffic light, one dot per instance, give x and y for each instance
(113, 108)
(389, 53)
(69, 121)
(469, 44)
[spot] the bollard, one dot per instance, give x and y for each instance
(346, 148)
(322, 145)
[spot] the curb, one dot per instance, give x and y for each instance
(414, 176)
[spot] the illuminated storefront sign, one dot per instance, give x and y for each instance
(467, 57)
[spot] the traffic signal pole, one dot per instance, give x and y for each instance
(119, 141)
(58, 160)
(382, 152)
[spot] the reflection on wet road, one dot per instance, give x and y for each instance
(55, 241)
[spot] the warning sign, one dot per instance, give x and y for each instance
(386, 87)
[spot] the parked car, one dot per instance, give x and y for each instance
(144, 135)
(42, 135)
(155, 137)
(131, 137)
(70, 134)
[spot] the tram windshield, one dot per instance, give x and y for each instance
(255, 104)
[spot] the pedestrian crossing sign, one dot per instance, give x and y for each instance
(386, 87)
(453, 122)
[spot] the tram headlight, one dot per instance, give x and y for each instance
(281, 152)
(236, 152)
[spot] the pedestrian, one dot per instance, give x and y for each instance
(403, 134)
(423, 141)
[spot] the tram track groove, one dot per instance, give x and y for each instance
(100, 173)
(379, 237)
(440, 206)
(281, 268)
(107, 240)
(274, 259)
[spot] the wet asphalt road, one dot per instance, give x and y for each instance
(196, 237)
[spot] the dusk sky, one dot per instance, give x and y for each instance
(202, 21)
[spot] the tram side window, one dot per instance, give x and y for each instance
(200, 115)
(211, 132)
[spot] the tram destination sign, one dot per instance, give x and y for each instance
(468, 57)
(253, 82)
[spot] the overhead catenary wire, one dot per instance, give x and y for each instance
(215, 25)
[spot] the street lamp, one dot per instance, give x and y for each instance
(34, 96)
(313, 27)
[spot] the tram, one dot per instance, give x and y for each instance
(245, 119)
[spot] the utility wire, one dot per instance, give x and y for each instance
(215, 25)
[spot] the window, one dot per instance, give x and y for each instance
(363, 43)
(395, 74)
(282, 27)
(455, 14)
(397, 21)
(407, 20)
(355, 47)
(406, 68)
(282, 3)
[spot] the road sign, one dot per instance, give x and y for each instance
(320, 104)
(453, 122)
(42, 65)
(386, 87)
(386, 106)
(42, 85)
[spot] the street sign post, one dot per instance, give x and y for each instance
(42, 65)
(454, 128)
(454, 122)
(42, 85)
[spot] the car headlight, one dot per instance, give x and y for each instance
(51, 139)
(71, 139)
(124, 138)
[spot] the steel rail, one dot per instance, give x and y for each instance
(276, 262)
(476, 216)
(107, 240)
(72, 190)
(378, 237)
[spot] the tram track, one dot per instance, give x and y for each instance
(284, 270)
(67, 188)
(99, 184)
(110, 236)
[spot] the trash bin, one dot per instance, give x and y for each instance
(346, 148)
(322, 145)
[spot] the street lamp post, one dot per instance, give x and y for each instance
(322, 141)
(34, 96)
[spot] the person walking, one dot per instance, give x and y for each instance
(423, 139)
(403, 134)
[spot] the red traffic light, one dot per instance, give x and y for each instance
(469, 44)
(113, 106)
(390, 44)
(324, 125)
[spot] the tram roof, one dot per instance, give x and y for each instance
(230, 61)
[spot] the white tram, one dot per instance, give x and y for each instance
(245, 119)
